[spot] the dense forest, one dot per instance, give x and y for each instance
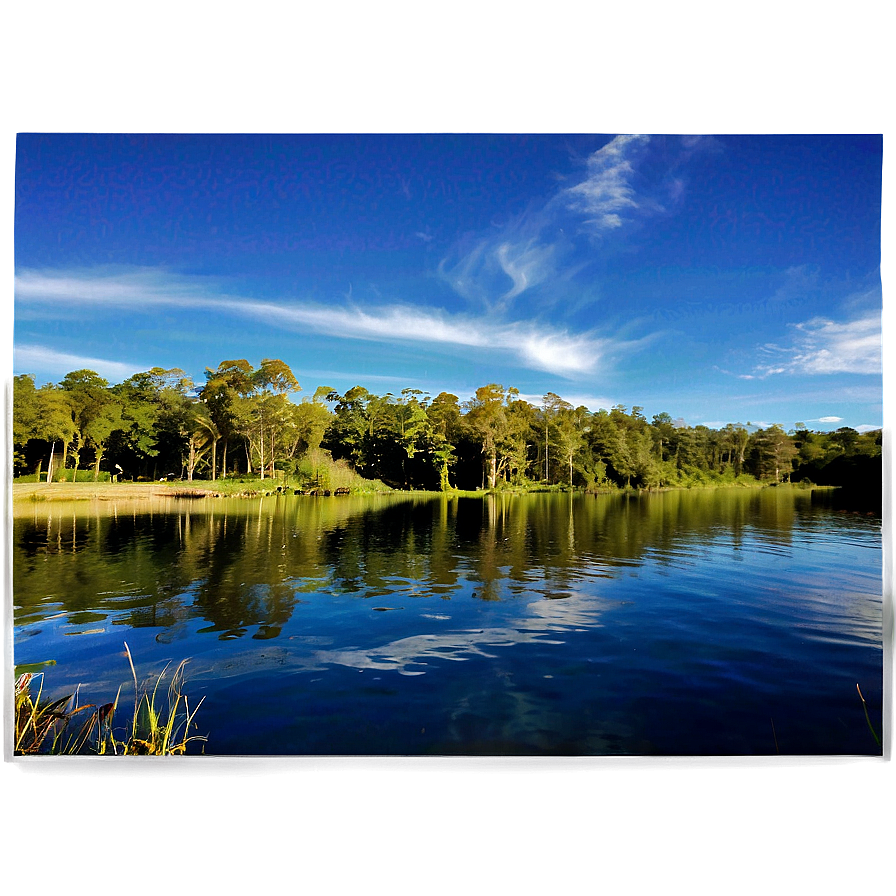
(242, 421)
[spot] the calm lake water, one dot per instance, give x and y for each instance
(682, 623)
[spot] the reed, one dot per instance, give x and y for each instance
(44, 726)
(867, 717)
(63, 727)
(154, 731)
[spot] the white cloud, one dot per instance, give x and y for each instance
(592, 402)
(868, 427)
(829, 419)
(526, 265)
(39, 357)
(829, 347)
(607, 190)
(108, 286)
(479, 273)
(542, 244)
(534, 345)
(823, 346)
(537, 347)
(465, 275)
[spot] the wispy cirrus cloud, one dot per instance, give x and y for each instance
(607, 193)
(824, 346)
(556, 351)
(533, 345)
(528, 249)
(108, 286)
(526, 264)
(539, 245)
(497, 268)
(41, 357)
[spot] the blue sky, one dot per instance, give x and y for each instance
(719, 279)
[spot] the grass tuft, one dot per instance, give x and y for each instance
(62, 727)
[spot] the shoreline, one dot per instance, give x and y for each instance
(105, 491)
(40, 492)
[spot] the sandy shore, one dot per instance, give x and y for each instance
(104, 491)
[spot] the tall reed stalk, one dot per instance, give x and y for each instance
(49, 727)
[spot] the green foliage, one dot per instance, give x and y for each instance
(70, 476)
(63, 727)
(155, 730)
(243, 421)
(42, 726)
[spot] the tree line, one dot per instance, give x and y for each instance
(243, 421)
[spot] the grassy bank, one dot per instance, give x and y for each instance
(38, 492)
(222, 488)
(106, 491)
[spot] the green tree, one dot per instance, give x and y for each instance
(224, 386)
(310, 421)
(273, 381)
(347, 436)
(487, 420)
(412, 432)
(447, 430)
(571, 430)
(97, 430)
(514, 445)
(156, 413)
(56, 424)
(773, 453)
(551, 406)
(735, 439)
(663, 434)
(26, 421)
(93, 413)
(203, 438)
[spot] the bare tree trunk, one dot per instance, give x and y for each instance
(492, 470)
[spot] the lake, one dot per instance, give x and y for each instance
(718, 622)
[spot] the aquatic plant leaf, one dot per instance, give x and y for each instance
(23, 668)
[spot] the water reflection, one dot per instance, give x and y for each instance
(245, 566)
(547, 623)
